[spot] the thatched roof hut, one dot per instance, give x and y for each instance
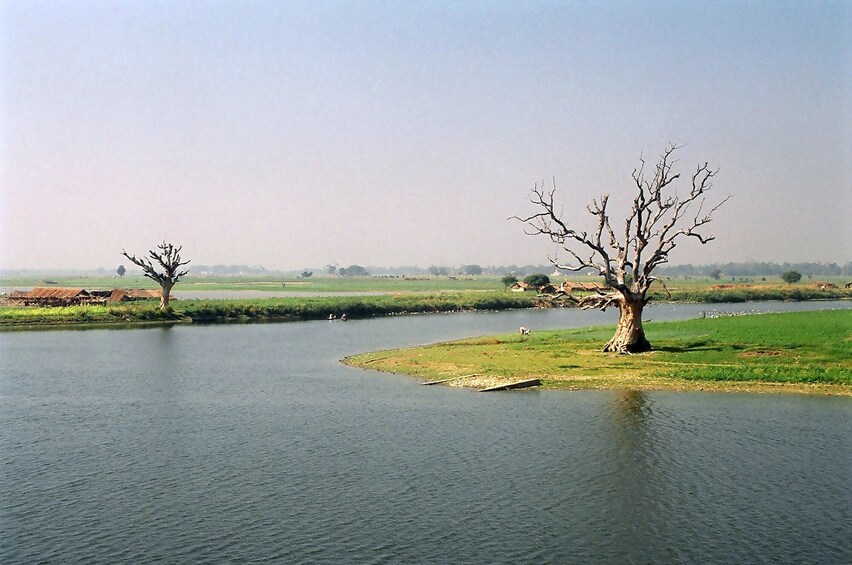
(128, 294)
(55, 296)
(59, 296)
(569, 286)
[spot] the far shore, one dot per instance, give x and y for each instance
(321, 306)
(261, 310)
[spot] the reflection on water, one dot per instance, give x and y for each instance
(252, 443)
(632, 407)
(635, 494)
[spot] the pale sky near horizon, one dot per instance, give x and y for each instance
(295, 134)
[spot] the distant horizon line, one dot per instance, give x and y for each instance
(398, 269)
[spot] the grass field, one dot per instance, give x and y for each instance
(796, 352)
(678, 286)
(312, 284)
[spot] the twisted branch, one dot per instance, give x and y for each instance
(659, 218)
(169, 260)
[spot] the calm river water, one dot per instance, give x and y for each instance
(248, 443)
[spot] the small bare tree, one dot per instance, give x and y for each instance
(657, 221)
(164, 266)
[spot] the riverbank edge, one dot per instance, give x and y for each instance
(229, 311)
(241, 311)
(469, 376)
(660, 385)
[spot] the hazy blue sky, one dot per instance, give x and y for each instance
(294, 134)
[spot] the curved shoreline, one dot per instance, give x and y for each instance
(800, 352)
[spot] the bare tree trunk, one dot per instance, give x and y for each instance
(629, 335)
(164, 297)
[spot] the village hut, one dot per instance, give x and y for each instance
(519, 287)
(131, 294)
(570, 287)
(56, 296)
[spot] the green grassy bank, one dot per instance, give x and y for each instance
(711, 294)
(791, 352)
(414, 301)
(264, 309)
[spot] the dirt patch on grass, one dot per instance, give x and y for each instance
(479, 381)
(762, 353)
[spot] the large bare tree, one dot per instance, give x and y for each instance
(626, 258)
(163, 265)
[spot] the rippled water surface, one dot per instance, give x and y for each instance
(251, 443)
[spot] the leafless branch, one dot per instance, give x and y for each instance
(658, 219)
(168, 268)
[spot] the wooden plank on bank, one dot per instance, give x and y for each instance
(509, 386)
(374, 360)
(430, 383)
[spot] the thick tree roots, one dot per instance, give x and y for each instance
(628, 344)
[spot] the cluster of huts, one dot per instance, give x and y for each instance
(58, 296)
(566, 286)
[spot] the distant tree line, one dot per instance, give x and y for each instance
(230, 270)
(713, 270)
(751, 269)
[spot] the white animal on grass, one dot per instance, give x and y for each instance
(524, 331)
